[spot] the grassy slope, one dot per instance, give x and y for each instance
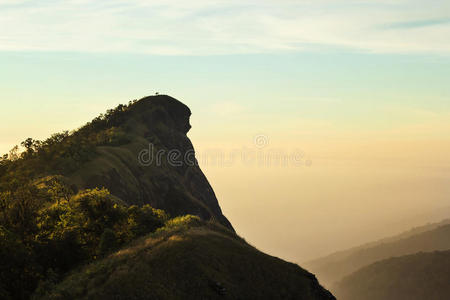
(191, 262)
(333, 268)
(412, 277)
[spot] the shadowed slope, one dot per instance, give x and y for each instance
(192, 260)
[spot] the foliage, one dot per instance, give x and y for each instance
(62, 153)
(182, 221)
(18, 268)
(51, 230)
(142, 220)
(19, 209)
(90, 216)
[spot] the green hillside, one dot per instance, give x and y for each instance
(412, 277)
(190, 259)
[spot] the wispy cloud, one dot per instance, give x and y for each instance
(417, 23)
(203, 27)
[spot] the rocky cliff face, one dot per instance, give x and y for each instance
(157, 165)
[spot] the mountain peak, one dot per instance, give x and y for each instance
(153, 162)
(165, 108)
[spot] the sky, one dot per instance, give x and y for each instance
(353, 95)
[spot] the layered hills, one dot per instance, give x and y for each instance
(335, 267)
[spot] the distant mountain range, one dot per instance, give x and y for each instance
(334, 267)
(375, 270)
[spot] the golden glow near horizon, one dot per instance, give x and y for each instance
(350, 193)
